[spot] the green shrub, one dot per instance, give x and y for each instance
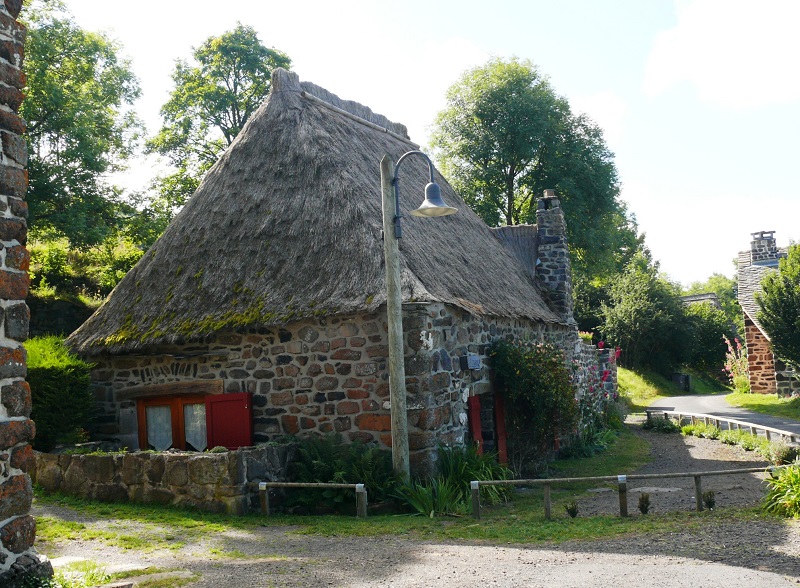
(330, 459)
(780, 453)
(783, 496)
(661, 424)
(540, 398)
(701, 430)
(732, 436)
(62, 400)
(449, 493)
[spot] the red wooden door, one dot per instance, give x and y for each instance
(229, 420)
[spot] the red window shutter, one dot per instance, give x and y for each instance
(229, 420)
(474, 408)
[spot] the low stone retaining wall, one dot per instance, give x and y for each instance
(217, 482)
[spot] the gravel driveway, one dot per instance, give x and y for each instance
(763, 553)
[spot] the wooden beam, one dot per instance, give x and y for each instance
(195, 387)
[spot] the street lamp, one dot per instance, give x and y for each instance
(433, 205)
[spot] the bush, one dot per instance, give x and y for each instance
(62, 401)
(540, 398)
(330, 459)
(661, 424)
(780, 453)
(783, 496)
(449, 493)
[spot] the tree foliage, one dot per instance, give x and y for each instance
(779, 303)
(212, 99)
(709, 327)
(646, 318)
(725, 289)
(79, 127)
(505, 136)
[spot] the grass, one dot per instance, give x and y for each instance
(766, 404)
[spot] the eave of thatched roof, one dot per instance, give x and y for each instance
(287, 225)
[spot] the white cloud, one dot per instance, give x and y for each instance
(736, 53)
(607, 109)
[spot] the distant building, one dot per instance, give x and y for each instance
(768, 373)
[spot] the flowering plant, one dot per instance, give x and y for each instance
(736, 365)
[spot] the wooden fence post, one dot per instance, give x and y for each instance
(698, 493)
(263, 495)
(361, 500)
(622, 482)
(475, 490)
(547, 504)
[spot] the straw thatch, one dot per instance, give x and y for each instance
(287, 225)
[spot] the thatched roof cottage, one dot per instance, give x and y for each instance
(260, 312)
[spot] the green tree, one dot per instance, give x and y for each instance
(708, 327)
(779, 303)
(646, 318)
(505, 136)
(79, 127)
(725, 289)
(212, 99)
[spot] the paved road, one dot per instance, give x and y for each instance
(716, 405)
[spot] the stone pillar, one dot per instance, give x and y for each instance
(17, 527)
(553, 266)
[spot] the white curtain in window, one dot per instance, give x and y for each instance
(159, 427)
(194, 424)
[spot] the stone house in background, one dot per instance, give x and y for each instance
(768, 373)
(260, 312)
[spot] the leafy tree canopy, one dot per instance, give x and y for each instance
(79, 128)
(646, 317)
(779, 302)
(505, 136)
(725, 289)
(213, 97)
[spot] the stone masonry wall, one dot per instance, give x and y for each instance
(17, 527)
(553, 265)
(786, 380)
(216, 482)
(761, 363)
(330, 375)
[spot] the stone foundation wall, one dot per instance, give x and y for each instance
(316, 377)
(17, 527)
(216, 482)
(760, 361)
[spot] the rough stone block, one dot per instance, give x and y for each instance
(13, 285)
(15, 432)
(18, 535)
(16, 495)
(18, 257)
(16, 398)
(10, 121)
(374, 422)
(17, 321)
(13, 7)
(23, 458)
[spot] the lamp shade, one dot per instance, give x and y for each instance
(433, 204)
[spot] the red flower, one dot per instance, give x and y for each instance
(600, 344)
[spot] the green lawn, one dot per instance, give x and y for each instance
(767, 404)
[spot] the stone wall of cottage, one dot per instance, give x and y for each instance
(594, 372)
(17, 527)
(760, 361)
(786, 380)
(330, 375)
(216, 482)
(553, 265)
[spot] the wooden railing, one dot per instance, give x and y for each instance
(360, 489)
(622, 486)
(731, 423)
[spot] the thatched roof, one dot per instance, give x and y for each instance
(287, 224)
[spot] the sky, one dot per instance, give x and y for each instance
(698, 99)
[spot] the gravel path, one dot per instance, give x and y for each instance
(762, 553)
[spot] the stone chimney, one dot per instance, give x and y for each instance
(763, 248)
(552, 265)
